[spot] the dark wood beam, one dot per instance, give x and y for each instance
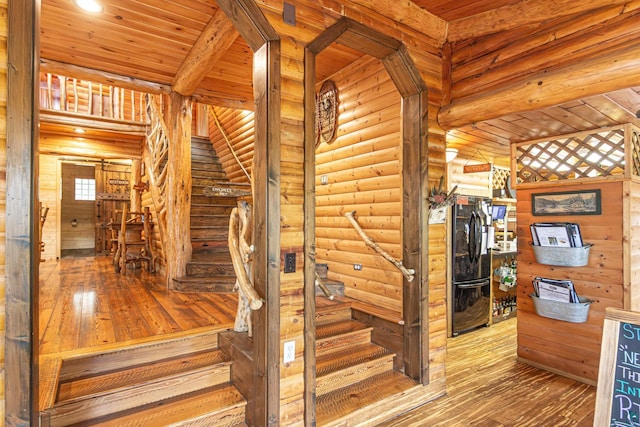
(522, 13)
(22, 250)
(606, 73)
(212, 44)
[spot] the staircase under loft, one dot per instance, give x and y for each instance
(210, 268)
(206, 378)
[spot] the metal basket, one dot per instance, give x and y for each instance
(565, 257)
(565, 311)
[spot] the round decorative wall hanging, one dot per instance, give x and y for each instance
(326, 113)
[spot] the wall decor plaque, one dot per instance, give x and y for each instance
(326, 113)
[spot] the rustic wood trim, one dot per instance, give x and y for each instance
(309, 237)
(212, 44)
(526, 12)
(410, 85)
(415, 239)
(22, 216)
(627, 240)
(249, 20)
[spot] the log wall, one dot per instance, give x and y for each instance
(512, 55)
(237, 127)
(363, 174)
(3, 196)
(573, 349)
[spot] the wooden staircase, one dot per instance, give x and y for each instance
(206, 378)
(355, 380)
(181, 381)
(210, 268)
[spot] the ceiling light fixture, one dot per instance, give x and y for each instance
(450, 154)
(89, 5)
(79, 130)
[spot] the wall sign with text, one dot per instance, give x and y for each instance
(618, 392)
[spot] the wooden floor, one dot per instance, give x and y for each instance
(488, 387)
(84, 303)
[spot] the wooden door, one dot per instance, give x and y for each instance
(112, 188)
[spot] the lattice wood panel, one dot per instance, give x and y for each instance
(499, 178)
(635, 152)
(585, 156)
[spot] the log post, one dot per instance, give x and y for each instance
(178, 202)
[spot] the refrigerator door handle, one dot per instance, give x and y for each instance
(471, 241)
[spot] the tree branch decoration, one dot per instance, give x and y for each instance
(241, 251)
(409, 274)
(439, 198)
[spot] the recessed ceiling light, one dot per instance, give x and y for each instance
(89, 5)
(78, 130)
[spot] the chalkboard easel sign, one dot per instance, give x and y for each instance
(618, 393)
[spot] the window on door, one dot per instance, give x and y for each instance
(85, 189)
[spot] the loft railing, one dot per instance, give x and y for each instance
(83, 97)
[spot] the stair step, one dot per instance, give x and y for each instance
(120, 378)
(211, 209)
(216, 232)
(210, 221)
(360, 403)
(239, 347)
(351, 365)
(209, 246)
(137, 393)
(219, 284)
(217, 406)
(210, 269)
(329, 311)
(337, 336)
(202, 199)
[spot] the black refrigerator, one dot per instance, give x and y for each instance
(472, 238)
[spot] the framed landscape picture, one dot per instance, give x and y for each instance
(582, 202)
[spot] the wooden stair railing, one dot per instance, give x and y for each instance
(156, 153)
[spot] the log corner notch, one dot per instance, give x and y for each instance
(408, 273)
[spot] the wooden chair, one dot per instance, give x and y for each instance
(134, 240)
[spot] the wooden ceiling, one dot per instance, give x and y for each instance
(151, 43)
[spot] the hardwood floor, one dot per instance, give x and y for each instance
(84, 303)
(487, 386)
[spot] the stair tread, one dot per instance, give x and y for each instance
(192, 406)
(360, 397)
(354, 355)
(341, 327)
(206, 279)
(121, 378)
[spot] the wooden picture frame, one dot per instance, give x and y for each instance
(579, 202)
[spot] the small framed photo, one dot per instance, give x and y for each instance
(582, 202)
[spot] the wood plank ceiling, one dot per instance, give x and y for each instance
(150, 44)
